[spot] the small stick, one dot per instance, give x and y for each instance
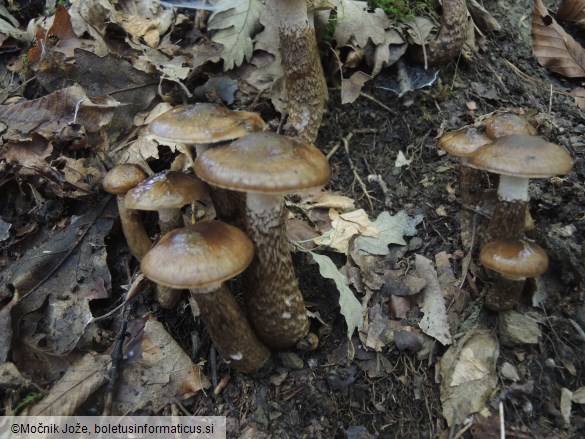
(117, 357)
(376, 101)
(502, 424)
(356, 176)
(213, 365)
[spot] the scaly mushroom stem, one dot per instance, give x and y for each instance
(229, 329)
(169, 219)
(273, 298)
(305, 81)
(136, 237)
(509, 217)
(505, 294)
(450, 39)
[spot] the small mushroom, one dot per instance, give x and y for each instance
(119, 180)
(508, 124)
(514, 261)
(517, 159)
(202, 257)
(204, 125)
(267, 166)
(166, 193)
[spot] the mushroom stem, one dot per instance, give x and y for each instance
(272, 295)
(136, 237)
(450, 38)
(505, 294)
(169, 219)
(305, 81)
(228, 328)
(509, 217)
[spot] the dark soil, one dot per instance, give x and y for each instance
(323, 395)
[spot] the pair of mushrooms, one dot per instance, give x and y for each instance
(516, 155)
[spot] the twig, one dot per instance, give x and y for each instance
(213, 366)
(578, 328)
(376, 101)
(378, 179)
(502, 423)
(117, 357)
(345, 140)
(534, 81)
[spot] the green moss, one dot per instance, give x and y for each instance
(402, 10)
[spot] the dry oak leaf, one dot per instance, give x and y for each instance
(554, 48)
(235, 29)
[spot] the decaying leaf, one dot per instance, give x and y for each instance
(392, 230)
(352, 87)
(553, 47)
(350, 307)
(80, 381)
(235, 28)
(572, 12)
(434, 323)
(579, 94)
(468, 372)
(355, 21)
(50, 114)
(159, 369)
(344, 226)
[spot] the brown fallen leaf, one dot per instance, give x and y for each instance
(79, 382)
(579, 95)
(352, 87)
(49, 114)
(553, 47)
(572, 12)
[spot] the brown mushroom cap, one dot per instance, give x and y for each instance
(121, 178)
(204, 123)
(522, 156)
(463, 142)
(264, 162)
(166, 190)
(508, 124)
(515, 259)
(198, 255)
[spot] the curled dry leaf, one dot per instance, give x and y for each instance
(554, 48)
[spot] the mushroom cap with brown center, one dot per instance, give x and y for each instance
(204, 123)
(198, 256)
(508, 124)
(463, 142)
(166, 190)
(264, 162)
(522, 156)
(514, 259)
(121, 178)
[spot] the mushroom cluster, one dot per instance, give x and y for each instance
(506, 146)
(234, 156)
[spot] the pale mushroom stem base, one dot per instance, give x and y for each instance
(229, 330)
(169, 219)
(505, 294)
(273, 298)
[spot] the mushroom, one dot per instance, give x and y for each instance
(166, 192)
(462, 143)
(119, 180)
(204, 256)
(517, 159)
(203, 125)
(267, 166)
(514, 261)
(508, 124)
(304, 78)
